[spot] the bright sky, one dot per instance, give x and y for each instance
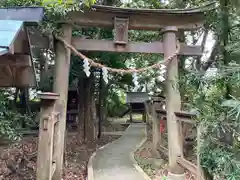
(209, 45)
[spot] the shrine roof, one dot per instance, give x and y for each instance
(136, 97)
(9, 30)
(12, 20)
(15, 50)
(26, 14)
(3, 51)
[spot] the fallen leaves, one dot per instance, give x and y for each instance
(18, 161)
(144, 157)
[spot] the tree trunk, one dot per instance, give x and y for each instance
(16, 95)
(94, 115)
(88, 119)
(80, 123)
(155, 130)
(24, 101)
(104, 96)
(225, 39)
(100, 105)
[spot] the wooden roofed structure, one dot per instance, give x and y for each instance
(16, 63)
(136, 101)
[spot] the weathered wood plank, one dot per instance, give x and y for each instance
(48, 95)
(182, 161)
(37, 39)
(45, 164)
(185, 120)
(136, 47)
(16, 71)
(19, 77)
(17, 60)
(184, 114)
(144, 19)
(20, 44)
(187, 165)
(163, 149)
(137, 22)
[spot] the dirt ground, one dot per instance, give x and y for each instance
(156, 168)
(18, 160)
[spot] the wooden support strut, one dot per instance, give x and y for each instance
(48, 119)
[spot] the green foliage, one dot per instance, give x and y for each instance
(115, 107)
(55, 10)
(234, 106)
(220, 120)
(220, 162)
(10, 120)
(219, 116)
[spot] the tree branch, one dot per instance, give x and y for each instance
(203, 43)
(211, 58)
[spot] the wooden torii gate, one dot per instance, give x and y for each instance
(168, 22)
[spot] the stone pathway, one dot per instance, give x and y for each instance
(114, 162)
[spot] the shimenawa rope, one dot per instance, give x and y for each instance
(123, 71)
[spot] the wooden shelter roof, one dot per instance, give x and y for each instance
(16, 63)
(30, 15)
(8, 32)
(136, 97)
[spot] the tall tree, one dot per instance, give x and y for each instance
(224, 39)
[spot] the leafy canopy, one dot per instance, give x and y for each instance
(55, 10)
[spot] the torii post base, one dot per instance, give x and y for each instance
(172, 176)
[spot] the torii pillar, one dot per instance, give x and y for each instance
(62, 66)
(173, 100)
